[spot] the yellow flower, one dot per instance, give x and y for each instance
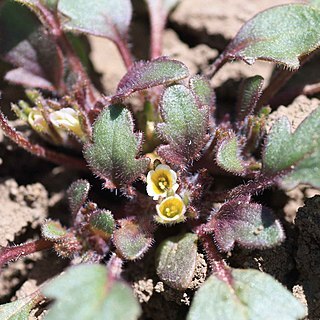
(171, 210)
(160, 181)
(67, 119)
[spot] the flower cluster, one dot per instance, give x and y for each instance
(162, 186)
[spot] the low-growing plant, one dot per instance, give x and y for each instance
(167, 152)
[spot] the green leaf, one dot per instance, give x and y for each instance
(228, 155)
(249, 224)
(185, 125)
(253, 295)
(102, 223)
(112, 155)
(78, 194)
(298, 152)
(147, 74)
(85, 292)
(53, 230)
(250, 93)
(132, 239)
(176, 260)
(201, 88)
(281, 34)
(315, 3)
(109, 19)
(19, 309)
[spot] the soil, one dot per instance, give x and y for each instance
(32, 190)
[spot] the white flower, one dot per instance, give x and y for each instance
(160, 181)
(171, 210)
(67, 119)
(37, 121)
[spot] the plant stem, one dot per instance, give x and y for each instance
(124, 51)
(217, 264)
(54, 27)
(8, 254)
(38, 150)
(217, 64)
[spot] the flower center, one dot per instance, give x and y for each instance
(171, 211)
(163, 183)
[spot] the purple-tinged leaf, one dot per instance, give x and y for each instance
(78, 194)
(228, 154)
(252, 295)
(28, 47)
(280, 34)
(39, 63)
(146, 74)
(202, 89)
(294, 157)
(112, 155)
(132, 239)
(176, 260)
(249, 224)
(105, 18)
(185, 125)
(89, 291)
(249, 95)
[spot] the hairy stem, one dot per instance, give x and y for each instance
(8, 254)
(38, 150)
(217, 264)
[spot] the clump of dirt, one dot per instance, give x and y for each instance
(215, 22)
(296, 112)
(307, 255)
(21, 207)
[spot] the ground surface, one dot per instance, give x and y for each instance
(32, 190)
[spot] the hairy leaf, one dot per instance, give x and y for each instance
(19, 309)
(109, 19)
(315, 3)
(228, 155)
(132, 239)
(253, 295)
(38, 60)
(249, 224)
(297, 152)
(102, 223)
(143, 75)
(53, 230)
(176, 260)
(185, 125)
(78, 194)
(281, 34)
(85, 292)
(201, 88)
(112, 155)
(249, 95)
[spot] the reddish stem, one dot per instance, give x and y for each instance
(217, 264)
(124, 52)
(39, 150)
(8, 254)
(157, 23)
